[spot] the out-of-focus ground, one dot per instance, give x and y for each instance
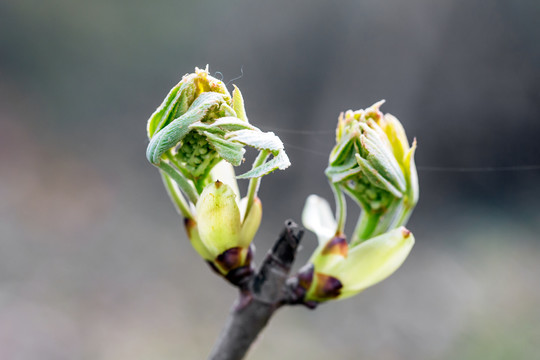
(94, 263)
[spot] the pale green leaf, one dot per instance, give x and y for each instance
(337, 173)
(375, 178)
(173, 133)
(222, 125)
(175, 104)
(379, 153)
(344, 150)
(228, 150)
(257, 139)
(238, 104)
(280, 161)
(157, 116)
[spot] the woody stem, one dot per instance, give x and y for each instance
(260, 299)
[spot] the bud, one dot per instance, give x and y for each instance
(373, 163)
(224, 238)
(199, 124)
(197, 135)
(218, 218)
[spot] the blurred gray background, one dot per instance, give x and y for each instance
(94, 262)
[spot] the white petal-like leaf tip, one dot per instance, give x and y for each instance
(317, 216)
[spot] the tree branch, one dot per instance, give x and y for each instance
(258, 300)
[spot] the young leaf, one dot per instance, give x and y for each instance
(238, 104)
(157, 116)
(223, 125)
(257, 139)
(173, 133)
(175, 104)
(231, 152)
(375, 178)
(280, 161)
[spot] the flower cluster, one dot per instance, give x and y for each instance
(196, 137)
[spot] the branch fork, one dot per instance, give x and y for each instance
(261, 294)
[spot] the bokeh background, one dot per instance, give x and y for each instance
(94, 262)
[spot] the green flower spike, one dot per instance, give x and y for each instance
(373, 163)
(338, 270)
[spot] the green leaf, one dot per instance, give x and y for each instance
(238, 104)
(375, 178)
(231, 152)
(222, 125)
(412, 176)
(175, 104)
(280, 161)
(173, 133)
(343, 150)
(226, 111)
(355, 195)
(156, 117)
(338, 173)
(182, 182)
(344, 175)
(379, 153)
(257, 139)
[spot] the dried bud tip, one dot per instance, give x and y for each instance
(337, 246)
(189, 223)
(230, 259)
(327, 287)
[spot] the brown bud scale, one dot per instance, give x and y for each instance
(327, 287)
(337, 246)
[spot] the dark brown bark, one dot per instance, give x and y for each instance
(259, 298)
